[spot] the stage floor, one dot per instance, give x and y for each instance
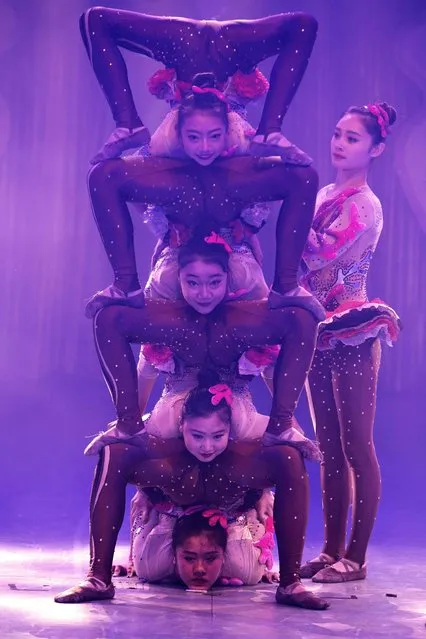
(30, 576)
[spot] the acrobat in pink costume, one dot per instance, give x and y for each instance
(344, 373)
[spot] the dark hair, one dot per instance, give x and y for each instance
(198, 248)
(198, 402)
(370, 120)
(202, 101)
(194, 525)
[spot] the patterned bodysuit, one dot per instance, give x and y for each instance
(344, 373)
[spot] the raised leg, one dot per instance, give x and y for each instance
(291, 37)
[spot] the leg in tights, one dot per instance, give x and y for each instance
(356, 403)
(107, 506)
(280, 466)
(296, 187)
(191, 46)
(114, 183)
(217, 193)
(295, 329)
(343, 385)
(287, 473)
(291, 37)
(334, 468)
(116, 328)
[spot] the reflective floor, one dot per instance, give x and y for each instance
(30, 576)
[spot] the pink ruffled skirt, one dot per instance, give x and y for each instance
(352, 323)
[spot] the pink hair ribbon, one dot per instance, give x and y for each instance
(219, 392)
(215, 517)
(215, 92)
(215, 238)
(382, 118)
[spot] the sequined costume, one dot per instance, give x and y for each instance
(223, 482)
(216, 340)
(231, 50)
(343, 377)
(187, 47)
(151, 552)
(214, 195)
(337, 257)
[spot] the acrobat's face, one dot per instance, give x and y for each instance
(203, 136)
(199, 561)
(205, 437)
(351, 144)
(203, 285)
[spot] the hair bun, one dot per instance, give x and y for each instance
(389, 110)
(205, 80)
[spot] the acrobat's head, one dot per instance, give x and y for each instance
(202, 122)
(360, 135)
(206, 417)
(203, 265)
(199, 543)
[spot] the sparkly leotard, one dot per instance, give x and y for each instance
(337, 258)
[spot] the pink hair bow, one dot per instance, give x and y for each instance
(382, 118)
(219, 392)
(216, 517)
(215, 238)
(215, 92)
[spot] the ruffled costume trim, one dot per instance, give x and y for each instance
(352, 323)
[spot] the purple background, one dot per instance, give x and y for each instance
(53, 117)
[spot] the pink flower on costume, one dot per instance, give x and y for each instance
(266, 543)
(157, 355)
(249, 86)
(219, 392)
(162, 84)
